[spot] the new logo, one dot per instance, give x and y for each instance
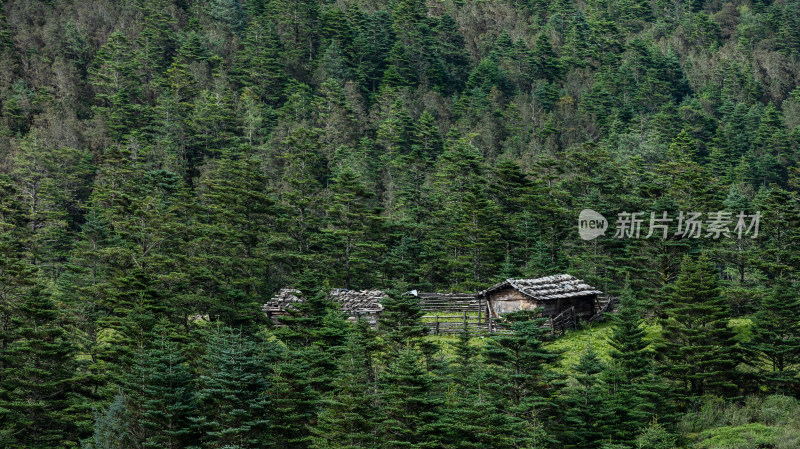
(591, 224)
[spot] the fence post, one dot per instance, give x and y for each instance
(574, 319)
(437, 324)
(465, 321)
(480, 311)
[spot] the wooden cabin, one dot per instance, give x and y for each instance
(554, 294)
(354, 303)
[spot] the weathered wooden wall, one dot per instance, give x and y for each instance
(510, 300)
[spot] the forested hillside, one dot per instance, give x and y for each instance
(167, 165)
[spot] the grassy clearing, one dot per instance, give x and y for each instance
(449, 317)
(572, 344)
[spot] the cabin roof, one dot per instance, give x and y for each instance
(558, 286)
(358, 300)
(285, 299)
(363, 301)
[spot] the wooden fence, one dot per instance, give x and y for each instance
(563, 321)
(604, 307)
(453, 313)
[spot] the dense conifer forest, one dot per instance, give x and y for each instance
(166, 166)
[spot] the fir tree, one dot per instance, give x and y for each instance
(233, 392)
(112, 427)
(259, 65)
(410, 404)
(40, 402)
(774, 347)
(349, 416)
(294, 402)
(116, 86)
(635, 399)
(401, 320)
(159, 394)
(698, 344)
(587, 417)
(523, 384)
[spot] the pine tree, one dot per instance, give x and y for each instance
(523, 384)
(233, 392)
(410, 404)
(159, 397)
(40, 402)
(699, 349)
(116, 86)
(587, 416)
(349, 416)
(774, 348)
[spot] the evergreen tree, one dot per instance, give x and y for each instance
(349, 225)
(259, 64)
(116, 86)
(233, 392)
(635, 398)
(774, 347)
(156, 40)
(523, 385)
(777, 254)
(159, 395)
(349, 416)
(294, 402)
(237, 217)
(401, 320)
(465, 223)
(40, 403)
(410, 404)
(699, 349)
(587, 416)
(112, 427)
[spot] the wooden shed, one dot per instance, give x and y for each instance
(554, 294)
(355, 303)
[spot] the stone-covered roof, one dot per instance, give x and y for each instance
(358, 300)
(284, 300)
(350, 301)
(558, 286)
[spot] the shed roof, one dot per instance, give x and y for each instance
(285, 299)
(358, 300)
(558, 286)
(350, 301)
